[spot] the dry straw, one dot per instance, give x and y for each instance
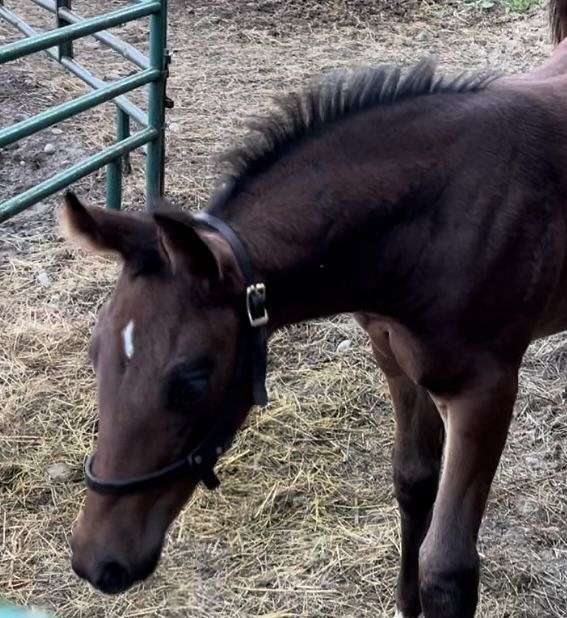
(305, 523)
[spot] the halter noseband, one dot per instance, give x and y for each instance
(250, 366)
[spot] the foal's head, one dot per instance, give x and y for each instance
(164, 351)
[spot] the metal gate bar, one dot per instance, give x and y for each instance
(52, 116)
(22, 201)
(77, 69)
(156, 108)
(118, 166)
(16, 50)
(154, 75)
(124, 49)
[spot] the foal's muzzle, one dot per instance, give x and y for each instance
(112, 575)
(112, 578)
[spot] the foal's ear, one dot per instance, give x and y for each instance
(105, 231)
(201, 252)
(182, 245)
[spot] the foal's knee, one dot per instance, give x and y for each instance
(448, 585)
(416, 487)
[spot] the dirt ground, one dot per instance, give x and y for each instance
(305, 523)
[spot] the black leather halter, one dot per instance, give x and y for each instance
(250, 368)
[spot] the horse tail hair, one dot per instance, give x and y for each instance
(558, 18)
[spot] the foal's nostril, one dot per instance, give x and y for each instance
(112, 578)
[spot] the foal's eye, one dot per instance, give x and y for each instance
(187, 384)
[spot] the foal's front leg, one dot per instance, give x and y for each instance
(476, 425)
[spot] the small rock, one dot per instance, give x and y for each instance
(22, 163)
(548, 556)
(344, 346)
(59, 472)
(422, 36)
(526, 507)
(43, 279)
(57, 131)
(40, 208)
(49, 149)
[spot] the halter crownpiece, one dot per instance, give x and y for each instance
(251, 364)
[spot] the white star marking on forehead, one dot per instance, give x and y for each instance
(128, 339)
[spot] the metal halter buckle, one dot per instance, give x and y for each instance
(256, 304)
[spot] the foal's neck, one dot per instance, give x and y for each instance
(330, 224)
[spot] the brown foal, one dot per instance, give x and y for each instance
(434, 210)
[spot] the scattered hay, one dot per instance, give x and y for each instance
(305, 523)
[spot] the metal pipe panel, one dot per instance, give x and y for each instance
(77, 69)
(15, 50)
(71, 108)
(22, 201)
(124, 49)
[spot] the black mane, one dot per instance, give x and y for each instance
(337, 95)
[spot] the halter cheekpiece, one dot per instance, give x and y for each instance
(250, 366)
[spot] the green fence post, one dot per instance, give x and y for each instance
(115, 168)
(65, 50)
(156, 107)
(123, 121)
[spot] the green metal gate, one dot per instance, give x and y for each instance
(153, 72)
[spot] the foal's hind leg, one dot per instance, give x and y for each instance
(416, 464)
(477, 424)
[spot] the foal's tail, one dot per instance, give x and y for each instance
(558, 17)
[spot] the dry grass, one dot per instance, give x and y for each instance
(305, 523)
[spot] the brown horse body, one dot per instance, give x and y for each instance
(436, 214)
